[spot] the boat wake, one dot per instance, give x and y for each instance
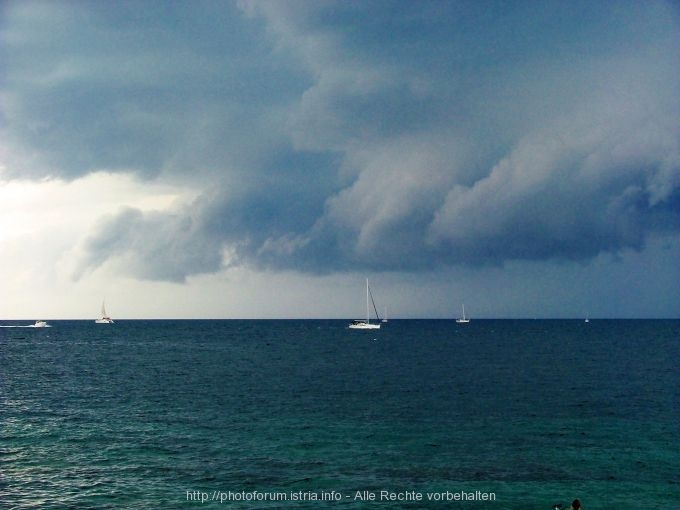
(24, 326)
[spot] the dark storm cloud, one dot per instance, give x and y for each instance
(153, 246)
(165, 87)
(343, 135)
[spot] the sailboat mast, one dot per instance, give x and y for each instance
(368, 315)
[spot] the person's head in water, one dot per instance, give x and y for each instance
(576, 504)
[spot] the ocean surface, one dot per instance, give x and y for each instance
(275, 414)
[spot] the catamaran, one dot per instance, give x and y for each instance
(366, 324)
(103, 318)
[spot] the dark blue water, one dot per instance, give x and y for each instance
(162, 414)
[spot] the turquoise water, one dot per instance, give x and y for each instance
(164, 414)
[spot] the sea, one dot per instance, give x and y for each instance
(250, 414)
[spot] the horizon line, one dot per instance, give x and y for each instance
(339, 318)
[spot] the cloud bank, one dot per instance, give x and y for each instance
(338, 136)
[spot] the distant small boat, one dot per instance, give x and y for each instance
(104, 318)
(384, 319)
(40, 324)
(463, 319)
(366, 324)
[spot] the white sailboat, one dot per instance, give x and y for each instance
(103, 318)
(463, 319)
(366, 324)
(384, 319)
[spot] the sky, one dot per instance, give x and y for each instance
(261, 159)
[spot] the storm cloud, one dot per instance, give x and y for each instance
(340, 136)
